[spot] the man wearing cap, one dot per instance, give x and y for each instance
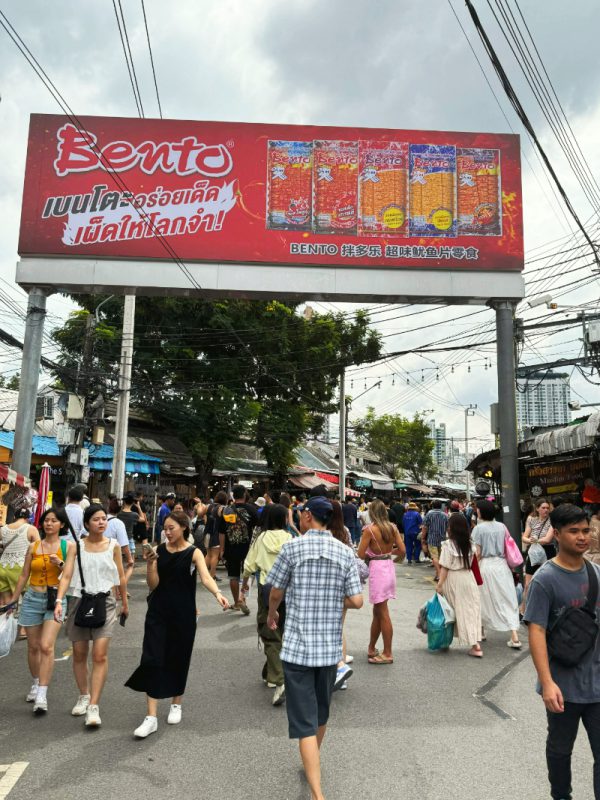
(163, 513)
(318, 576)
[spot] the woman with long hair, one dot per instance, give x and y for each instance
(214, 526)
(457, 583)
(538, 537)
(170, 626)
(44, 563)
(261, 557)
(499, 605)
(15, 539)
(286, 501)
(97, 570)
(380, 540)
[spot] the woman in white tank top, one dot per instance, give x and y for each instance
(102, 567)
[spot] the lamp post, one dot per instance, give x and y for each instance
(469, 412)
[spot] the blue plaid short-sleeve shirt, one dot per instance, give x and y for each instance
(317, 572)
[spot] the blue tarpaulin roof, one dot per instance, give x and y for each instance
(101, 455)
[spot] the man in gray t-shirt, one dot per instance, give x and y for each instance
(570, 694)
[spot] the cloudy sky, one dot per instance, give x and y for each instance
(387, 64)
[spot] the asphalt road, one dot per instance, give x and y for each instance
(429, 726)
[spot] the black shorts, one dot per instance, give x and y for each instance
(235, 555)
(213, 539)
(308, 693)
(530, 569)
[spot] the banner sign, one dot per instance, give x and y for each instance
(559, 477)
(271, 194)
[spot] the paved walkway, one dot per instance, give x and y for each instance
(430, 726)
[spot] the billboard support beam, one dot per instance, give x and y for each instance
(342, 443)
(29, 378)
(122, 423)
(507, 418)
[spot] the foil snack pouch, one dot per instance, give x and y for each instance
(383, 189)
(432, 190)
(289, 185)
(478, 192)
(335, 187)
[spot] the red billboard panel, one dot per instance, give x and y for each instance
(271, 194)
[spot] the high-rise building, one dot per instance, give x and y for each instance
(438, 434)
(542, 399)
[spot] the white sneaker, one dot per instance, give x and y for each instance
(148, 726)
(174, 717)
(32, 693)
(81, 705)
(514, 645)
(349, 659)
(279, 695)
(342, 675)
(343, 686)
(40, 706)
(92, 717)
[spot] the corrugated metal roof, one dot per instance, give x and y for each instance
(40, 445)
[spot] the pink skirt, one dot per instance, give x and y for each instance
(382, 581)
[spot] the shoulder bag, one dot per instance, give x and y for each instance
(91, 611)
(575, 632)
(514, 557)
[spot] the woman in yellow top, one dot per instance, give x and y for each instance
(44, 563)
(261, 557)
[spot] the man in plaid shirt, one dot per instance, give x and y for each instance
(318, 576)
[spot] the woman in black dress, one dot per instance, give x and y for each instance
(170, 626)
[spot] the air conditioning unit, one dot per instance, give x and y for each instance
(44, 407)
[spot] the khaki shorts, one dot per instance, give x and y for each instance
(77, 634)
(434, 552)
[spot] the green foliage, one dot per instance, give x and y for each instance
(402, 444)
(214, 372)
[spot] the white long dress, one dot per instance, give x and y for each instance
(499, 604)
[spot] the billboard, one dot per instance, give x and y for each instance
(224, 192)
(560, 476)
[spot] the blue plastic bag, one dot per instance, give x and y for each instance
(439, 634)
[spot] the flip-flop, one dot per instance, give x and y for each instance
(475, 655)
(379, 659)
(374, 654)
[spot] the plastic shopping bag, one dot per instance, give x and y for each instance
(422, 619)
(537, 555)
(8, 633)
(439, 633)
(449, 614)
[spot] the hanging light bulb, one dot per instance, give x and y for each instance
(365, 384)
(408, 381)
(452, 370)
(393, 380)
(469, 367)
(437, 375)
(352, 384)
(422, 376)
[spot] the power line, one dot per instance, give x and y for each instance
(151, 59)
(516, 103)
(128, 57)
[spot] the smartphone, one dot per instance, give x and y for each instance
(147, 548)
(122, 620)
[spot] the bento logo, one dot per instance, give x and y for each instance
(78, 151)
(431, 163)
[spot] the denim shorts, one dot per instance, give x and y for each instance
(33, 609)
(132, 547)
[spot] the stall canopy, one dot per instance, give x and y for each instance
(101, 458)
(8, 475)
(378, 481)
(310, 481)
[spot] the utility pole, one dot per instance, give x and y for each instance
(82, 387)
(29, 378)
(122, 423)
(507, 418)
(469, 412)
(342, 443)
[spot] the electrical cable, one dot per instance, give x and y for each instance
(151, 59)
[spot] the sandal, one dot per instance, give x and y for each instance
(374, 654)
(475, 653)
(379, 659)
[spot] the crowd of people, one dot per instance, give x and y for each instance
(309, 560)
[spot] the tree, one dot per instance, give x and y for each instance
(401, 443)
(13, 382)
(214, 372)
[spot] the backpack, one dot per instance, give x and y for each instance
(237, 524)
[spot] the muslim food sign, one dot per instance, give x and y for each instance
(219, 192)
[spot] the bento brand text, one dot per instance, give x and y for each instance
(79, 151)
